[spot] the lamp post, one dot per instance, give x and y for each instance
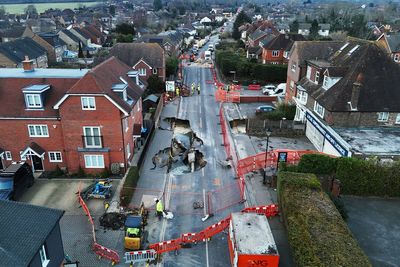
(268, 132)
(234, 75)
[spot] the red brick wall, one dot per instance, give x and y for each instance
(16, 138)
(142, 65)
(107, 116)
(268, 58)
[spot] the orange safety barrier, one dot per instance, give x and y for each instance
(254, 87)
(167, 246)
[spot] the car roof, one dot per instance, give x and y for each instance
(266, 106)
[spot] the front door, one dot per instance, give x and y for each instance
(37, 163)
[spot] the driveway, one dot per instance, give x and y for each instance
(75, 228)
(375, 224)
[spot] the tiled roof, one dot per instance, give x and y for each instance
(101, 78)
(23, 230)
(13, 32)
(283, 41)
(17, 50)
(393, 40)
(131, 53)
(71, 35)
(315, 50)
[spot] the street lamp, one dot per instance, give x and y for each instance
(234, 75)
(268, 132)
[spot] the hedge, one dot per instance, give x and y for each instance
(129, 186)
(357, 176)
(317, 233)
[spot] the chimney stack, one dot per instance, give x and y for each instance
(27, 64)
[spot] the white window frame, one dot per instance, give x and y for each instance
(155, 71)
(316, 78)
(43, 256)
(128, 150)
(383, 116)
(309, 69)
(291, 85)
(8, 155)
(325, 82)
(396, 58)
(275, 53)
(22, 157)
(397, 119)
(88, 103)
(142, 72)
(302, 96)
(285, 54)
(125, 124)
(320, 110)
(92, 136)
(293, 68)
(38, 130)
(94, 161)
(54, 155)
(36, 100)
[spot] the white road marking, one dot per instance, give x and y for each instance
(205, 213)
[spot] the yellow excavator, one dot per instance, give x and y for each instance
(135, 234)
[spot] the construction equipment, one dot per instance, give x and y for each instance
(135, 234)
(99, 189)
(241, 255)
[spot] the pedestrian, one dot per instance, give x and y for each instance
(177, 91)
(154, 160)
(198, 89)
(159, 208)
(193, 88)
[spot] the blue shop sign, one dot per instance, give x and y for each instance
(335, 143)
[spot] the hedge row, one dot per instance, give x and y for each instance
(129, 186)
(357, 176)
(228, 61)
(317, 233)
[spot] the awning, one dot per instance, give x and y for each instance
(33, 149)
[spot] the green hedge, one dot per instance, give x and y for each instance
(357, 176)
(129, 186)
(317, 233)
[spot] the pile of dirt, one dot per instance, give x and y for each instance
(112, 220)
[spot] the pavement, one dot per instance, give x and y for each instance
(374, 222)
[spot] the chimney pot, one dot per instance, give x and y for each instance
(27, 64)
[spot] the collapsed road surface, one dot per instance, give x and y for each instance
(212, 187)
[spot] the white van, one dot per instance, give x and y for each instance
(207, 55)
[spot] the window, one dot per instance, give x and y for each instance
(94, 161)
(396, 58)
(128, 150)
(43, 256)
(302, 96)
(397, 119)
(55, 156)
(383, 116)
(275, 53)
(291, 85)
(92, 136)
(319, 109)
(316, 77)
(88, 103)
(142, 72)
(309, 72)
(8, 155)
(285, 54)
(22, 157)
(325, 82)
(125, 124)
(33, 101)
(38, 131)
(293, 67)
(155, 71)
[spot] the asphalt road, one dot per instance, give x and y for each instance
(213, 181)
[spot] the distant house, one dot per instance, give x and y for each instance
(69, 39)
(30, 235)
(324, 29)
(13, 53)
(304, 29)
(170, 41)
(82, 36)
(277, 50)
(391, 42)
(146, 58)
(12, 33)
(299, 54)
(353, 91)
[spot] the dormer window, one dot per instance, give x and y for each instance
(316, 77)
(34, 95)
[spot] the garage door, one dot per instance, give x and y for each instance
(315, 136)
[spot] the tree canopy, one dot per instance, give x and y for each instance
(314, 29)
(157, 4)
(241, 19)
(31, 10)
(125, 28)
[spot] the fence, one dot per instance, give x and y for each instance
(254, 87)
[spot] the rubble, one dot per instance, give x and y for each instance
(112, 220)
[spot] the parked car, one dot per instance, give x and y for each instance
(265, 108)
(280, 90)
(268, 89)
(14, 180)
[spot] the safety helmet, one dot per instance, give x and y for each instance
(155, 199)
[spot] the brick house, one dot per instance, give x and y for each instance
(146, 58)
(13, 53)
(70, 118)
(277, 50)
(391, 42)
(300, 52)
(356, 87)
